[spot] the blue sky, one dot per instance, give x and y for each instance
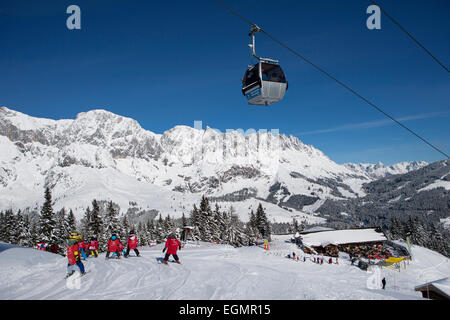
(166, 63)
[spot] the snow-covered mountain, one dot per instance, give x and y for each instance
(109, 157)
(380, 170)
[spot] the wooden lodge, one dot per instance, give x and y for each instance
(356, 242)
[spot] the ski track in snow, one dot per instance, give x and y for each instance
(209, 271)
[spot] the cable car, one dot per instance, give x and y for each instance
(265, 82)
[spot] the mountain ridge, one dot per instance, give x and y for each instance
(110, 157)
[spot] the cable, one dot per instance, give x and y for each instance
(333, 78)
(410, 36)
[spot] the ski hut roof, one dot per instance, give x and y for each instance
(338, 237)
(438, 289)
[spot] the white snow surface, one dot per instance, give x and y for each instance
(209, 272)
(437, 184)
(337, 237)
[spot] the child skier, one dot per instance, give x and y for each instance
(172, 245)
(82, 247)
(93, 247)
(114, 245)
(132, 243)
(73, 255)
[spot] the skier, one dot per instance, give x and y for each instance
(42, 246)
(82, 247)
(114, 246)
(73, 255)
(383, 282)
(172, 245)
(293, 255)
(93, 247)
(132, 243)
(53, 248)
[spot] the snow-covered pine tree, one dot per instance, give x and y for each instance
(251, 230)
(295, 227)
(111, 222)
(2, 227)
(71, 222)
(184, 221)
(262, 222)
(95, 226)
(10, 231)
(169, 226)
(397, 229)
(125, 226)
(204, 223)
(142, 234)
(417, 231)
(151, 233)
(436, 241)
(220, 225)
(34, 233)
(24, 236)
(47, 221)
(84, 223)
(195, 222)
(238, 237)
(61, 228)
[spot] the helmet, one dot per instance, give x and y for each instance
(113, 237)
(131, 232)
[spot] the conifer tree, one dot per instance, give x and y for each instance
(71, 222)
(151, 230)
(61, 229)
(262, 222)
(295, 227)
(436, 241)
(95, 222)
(184, 222)
(47, 221)
(111, 221)
(10, 232)
(2, 227)
(24, 234)
(85, 223)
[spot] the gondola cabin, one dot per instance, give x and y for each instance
(264, 83)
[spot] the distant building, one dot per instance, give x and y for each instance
(357, 242)
(436, 290)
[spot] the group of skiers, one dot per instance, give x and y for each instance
(116, 246)
(78, 249)
(317, 260)
(43, 246)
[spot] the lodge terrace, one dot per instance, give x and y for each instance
(358, 243)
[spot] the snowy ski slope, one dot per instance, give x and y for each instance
(209, 271)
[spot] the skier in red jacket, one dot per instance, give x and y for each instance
(93, 247)
(114, 245)
(132, 243)
(73, 255)
(172, 245)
